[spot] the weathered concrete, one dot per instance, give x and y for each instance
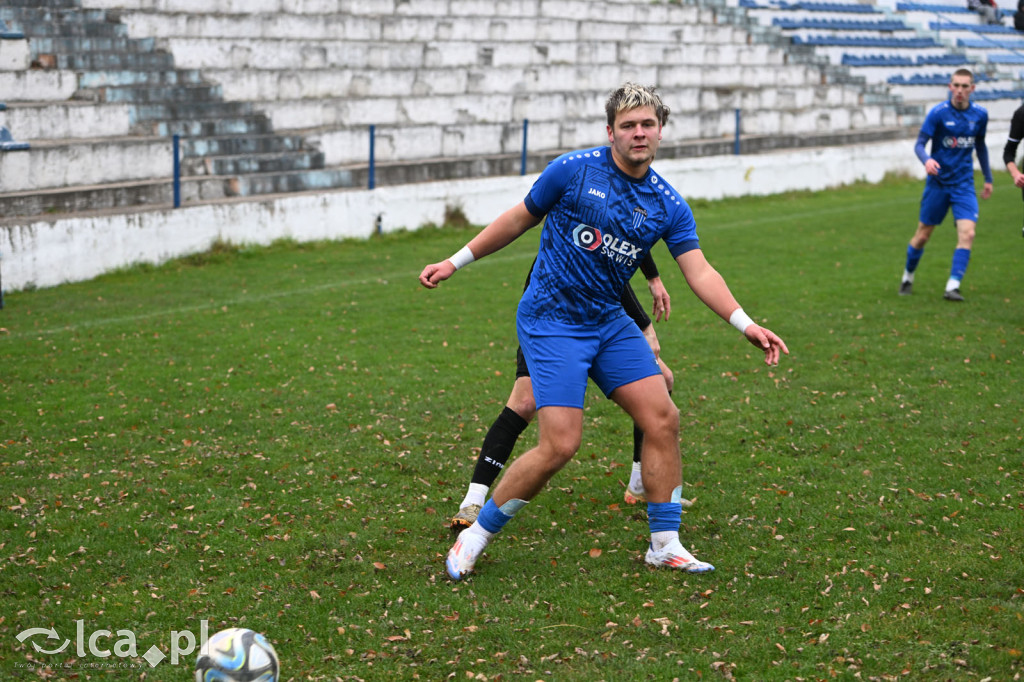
(43, 253)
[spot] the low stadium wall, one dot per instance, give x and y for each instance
(45, 253)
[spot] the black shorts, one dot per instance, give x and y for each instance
(521, 369)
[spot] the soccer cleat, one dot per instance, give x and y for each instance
(465, 518)
(953, 295)
(633, 496)
(906, 288)
(463, 555)
(674, 555)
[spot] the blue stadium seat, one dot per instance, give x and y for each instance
(925, 7)
(976, 28)
(930, 79)
(867, 42)
(838, 7)
(944, 59)
(7, 143)
(7, 34)
(1011, 58)
(988, 95)
(990, 43)
(876, 60)
(840, 24)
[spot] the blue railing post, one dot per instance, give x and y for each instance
(736, 139)
(371, 183)
(177, 171)
(522, 163)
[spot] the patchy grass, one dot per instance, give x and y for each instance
(274, 438)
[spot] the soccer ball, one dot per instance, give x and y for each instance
(237, 655)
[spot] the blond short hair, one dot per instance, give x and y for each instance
(633, 96)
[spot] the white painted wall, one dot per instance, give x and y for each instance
(45, 253)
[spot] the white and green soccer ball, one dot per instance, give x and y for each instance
(237, 655)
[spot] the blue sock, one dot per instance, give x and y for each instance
(664, 516)
(960, 259)
(492, 518)
(913, 257)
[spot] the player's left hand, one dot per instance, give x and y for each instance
(986, 190)
(662, 301)
(436, 273)
(768, 341)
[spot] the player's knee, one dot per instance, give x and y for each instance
(524, 406)
(559, 449)
(664, 423)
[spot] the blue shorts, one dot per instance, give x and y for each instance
(562, 357)
(937, 199)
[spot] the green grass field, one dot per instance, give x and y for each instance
(275, 439)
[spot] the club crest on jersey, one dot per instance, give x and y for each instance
(639, 216)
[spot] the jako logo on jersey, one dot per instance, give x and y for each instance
(956, 142)
(586, 237)
(597, 193)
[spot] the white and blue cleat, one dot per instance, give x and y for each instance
(674, 555)
(463, 555)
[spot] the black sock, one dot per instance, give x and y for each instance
(498, 445)
(638, 441)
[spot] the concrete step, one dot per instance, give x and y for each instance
(209, 188)
(281, 162)
(87, 44)
(25, 16)
(344, 26)
(72, 26)
(45, 4)
(36, 85)
(233, 145)
(67, 120)
(163, 77)
(149, 94)
(175, 111)
(117, 61)
(252, 124)
(52, 164)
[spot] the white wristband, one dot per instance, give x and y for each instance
(462, 258)
(740, 320)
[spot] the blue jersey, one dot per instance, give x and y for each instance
(955, 135)
(600, 225)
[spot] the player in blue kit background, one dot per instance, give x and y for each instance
(605, 208)
(956, 129)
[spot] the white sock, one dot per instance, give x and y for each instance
(952, 284)
(908, 276)
(662, 538)
(477, 529)
(636, 482)
(477, 494)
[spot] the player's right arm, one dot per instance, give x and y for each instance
(927, 132)
(499, 234)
